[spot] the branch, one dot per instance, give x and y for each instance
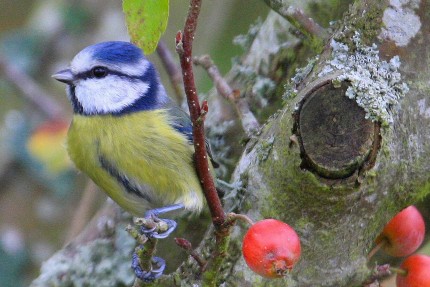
(108, 217)
(248, 120)
(184, 43)
(298, 19)
(31, 90)
(82, 213)
(186, 245)
(301, 21)
(172, 70)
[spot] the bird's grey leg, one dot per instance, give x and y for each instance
(164, 209)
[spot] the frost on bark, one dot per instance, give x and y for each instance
(345, 141)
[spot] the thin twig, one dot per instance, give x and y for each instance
(298, 19)
(82, 214)
(186, 245)
(172, 70)
(145, 254)
(305, 24)
(221, 85)
(184, 43)
(242, 217)
(31, 90)
(248, 120)
(219, 254)
(99, 227)
(399, 271)
(146, 246)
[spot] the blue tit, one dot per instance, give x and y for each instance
(126, 134)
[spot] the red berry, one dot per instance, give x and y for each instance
(417, 269)
(271, 248)
(404, 233)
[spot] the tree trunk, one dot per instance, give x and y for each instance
(335, 176)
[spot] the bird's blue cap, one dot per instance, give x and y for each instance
(116, 52)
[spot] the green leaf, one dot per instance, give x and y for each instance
(146, 21)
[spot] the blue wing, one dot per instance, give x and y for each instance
(182, 123)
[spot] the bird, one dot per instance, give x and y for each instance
(127, 134)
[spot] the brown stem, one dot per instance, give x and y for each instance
(242, 217)
(145, 257)
(298, 19)
(221, 85)
(249, 121)
(303, 22)
(82, 213)
(100, 226)
(172, 70)
(186, 245)
(399, 271)
(144, 253)
(376, 248)
(184, 46)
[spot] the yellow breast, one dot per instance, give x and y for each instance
(136, 153)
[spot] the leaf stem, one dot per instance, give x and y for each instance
(376, 248)
(399, 271)
(242, 217)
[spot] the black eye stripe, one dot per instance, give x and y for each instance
(149, 98)
(89, 74)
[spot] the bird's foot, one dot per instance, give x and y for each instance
(161, 228)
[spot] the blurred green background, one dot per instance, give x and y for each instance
(40, 192)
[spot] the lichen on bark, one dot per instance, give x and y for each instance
(338, 221)
(376, 85)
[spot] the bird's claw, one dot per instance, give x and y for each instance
(151, 275)
(154, 232)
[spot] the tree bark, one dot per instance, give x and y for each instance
(338, 216)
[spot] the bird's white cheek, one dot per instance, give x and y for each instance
(108, 95)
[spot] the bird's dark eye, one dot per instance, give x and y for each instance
(99, 72)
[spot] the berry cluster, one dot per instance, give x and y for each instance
(402, 236)
(271, 248)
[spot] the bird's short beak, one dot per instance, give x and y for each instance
(65, 76)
